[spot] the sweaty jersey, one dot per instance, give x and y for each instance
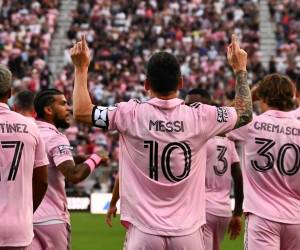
(271, 148)
(54, 204)
(162, 160)
(221, 154)
(21, 150)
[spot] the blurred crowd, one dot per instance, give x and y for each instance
(26, 28)
(286, 16)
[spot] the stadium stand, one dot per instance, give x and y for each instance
(286, 16)
(26, 28)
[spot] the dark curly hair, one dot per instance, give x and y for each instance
(277, 91)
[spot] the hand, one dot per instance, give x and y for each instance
(112, 211)
(235, 227)
(104, 157)
(80, 54)
(237, 57)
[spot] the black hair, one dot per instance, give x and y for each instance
(24, 100)
(202, 92)
(163, 73)
(43, 99)
(298, 83)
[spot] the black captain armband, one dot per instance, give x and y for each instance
(100, 116)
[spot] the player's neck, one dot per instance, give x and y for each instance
(163, 97)
(4, 100)
(27, 114)
(46, 120)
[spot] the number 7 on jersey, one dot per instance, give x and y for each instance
(18, 147)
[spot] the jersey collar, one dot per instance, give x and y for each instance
(4, 105)
(165, 104)
(43, 124)
(280, 114)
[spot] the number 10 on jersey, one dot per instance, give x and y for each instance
(166, 160)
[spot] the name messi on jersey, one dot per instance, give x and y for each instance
(162, 126)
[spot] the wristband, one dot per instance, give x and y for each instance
(93, 161)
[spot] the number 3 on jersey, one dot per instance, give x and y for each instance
(18, 147)
(221, 158)
(165, 160)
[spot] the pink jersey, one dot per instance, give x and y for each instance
(54, 204)
(221, 154)
(162, 161)
(296, 113)
(271, 145)
(21, 150)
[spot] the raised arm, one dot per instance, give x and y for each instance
(82, 103)
(237, 58)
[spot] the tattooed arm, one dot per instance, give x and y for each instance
(243, 100)
(237, 58)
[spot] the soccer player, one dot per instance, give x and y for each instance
(271, 163)
(222, 164)
(162, 172)
(51, 220)
(23, 172)
(23, 104)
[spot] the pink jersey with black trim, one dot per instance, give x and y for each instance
(221, 154)
(163, 159)
(54, 205)
(21, 150)
(271, 162)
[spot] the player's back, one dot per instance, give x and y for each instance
(54, 204)
(221, 154)
(162, 155)
(272, 162)
(19, 138)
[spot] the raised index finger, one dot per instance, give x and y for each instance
(235, 43)
(83, 40)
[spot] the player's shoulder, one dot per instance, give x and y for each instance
(18, 118)
(127, 106)
(296, 113)
(50, 133)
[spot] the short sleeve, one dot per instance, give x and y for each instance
(216, 120)
(104, 117)
(239, 134)
(59, 149)
(114, 117)
(41, 158)
(234, 155)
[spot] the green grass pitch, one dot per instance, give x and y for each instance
(89, 232)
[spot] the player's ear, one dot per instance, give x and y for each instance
(146, 85)
(48, 111)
